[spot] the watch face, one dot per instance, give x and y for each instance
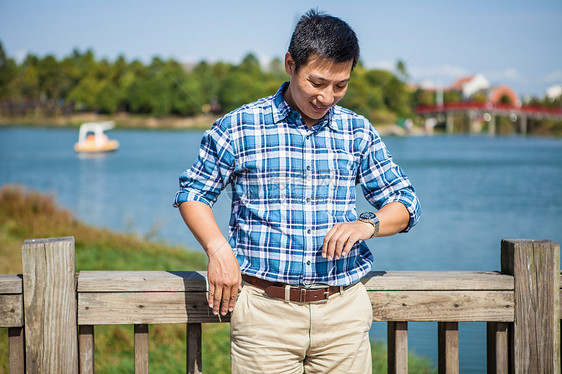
(367, 215)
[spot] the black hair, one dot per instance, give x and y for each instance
(327, 36)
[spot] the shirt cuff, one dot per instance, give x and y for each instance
(410, 201)
(184, 195)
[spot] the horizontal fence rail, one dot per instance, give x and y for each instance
(50, 311)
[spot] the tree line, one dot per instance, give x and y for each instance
(80, 82)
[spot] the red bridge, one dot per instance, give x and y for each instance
(489, 111)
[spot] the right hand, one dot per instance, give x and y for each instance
(225, 280)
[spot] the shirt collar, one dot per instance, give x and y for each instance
(282, 110)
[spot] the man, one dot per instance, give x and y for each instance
(295, 239)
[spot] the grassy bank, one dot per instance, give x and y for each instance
(122, 120)
(26, 214)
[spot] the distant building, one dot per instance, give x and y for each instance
(477, 88)
(468, 86)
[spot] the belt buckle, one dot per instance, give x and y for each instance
(316, 286)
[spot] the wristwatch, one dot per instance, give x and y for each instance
(371, 218)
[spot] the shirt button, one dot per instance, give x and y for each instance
(308, 262)
(308, 199)
(308, 168)
(309, 231)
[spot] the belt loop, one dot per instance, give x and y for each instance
(287, 293)
(341, 290)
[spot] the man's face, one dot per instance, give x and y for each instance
(316, 86)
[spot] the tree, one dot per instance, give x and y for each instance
(108, 98)
(277, 68)
(250, 64)
(50, 77)
(401, 69)
(8, 72)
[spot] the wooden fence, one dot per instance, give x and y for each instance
(51, 311)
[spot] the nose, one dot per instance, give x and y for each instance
(326, 96)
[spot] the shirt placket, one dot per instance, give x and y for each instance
(307, 202)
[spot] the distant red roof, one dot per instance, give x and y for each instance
(461, 82)
(497, 93)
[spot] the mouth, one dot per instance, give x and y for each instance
(318, 109)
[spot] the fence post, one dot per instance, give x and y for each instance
(17, 350)
(49, 290)
(534, 337)
(448, 347)
(86, 349)
(397, 347)
(141, 349)
(194, 348)
(497, 347)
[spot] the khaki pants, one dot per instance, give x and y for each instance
(273, 336)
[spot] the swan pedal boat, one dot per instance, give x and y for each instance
(92, 138)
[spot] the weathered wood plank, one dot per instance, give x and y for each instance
(437, 280)
(141, 349)
(17, 350)
(144, 281)
(11, 284)
(194, 358)
(86, 346)
(448, 344)
(397, 347)
(51, 336)
(11, 311)
(497, 348)
(535, 265)
(444, 306)
(144, 307)
(141, 281)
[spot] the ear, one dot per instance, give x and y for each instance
(289, 64)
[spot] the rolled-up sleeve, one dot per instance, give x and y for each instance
(212, 170)
(384, 182)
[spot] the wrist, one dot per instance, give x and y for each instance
(372, 219)
(216, 248)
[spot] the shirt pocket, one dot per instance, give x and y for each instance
(263, 181)
(340, 185)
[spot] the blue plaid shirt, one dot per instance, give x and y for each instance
(290, 185)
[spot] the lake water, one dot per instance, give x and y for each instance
(474, 190)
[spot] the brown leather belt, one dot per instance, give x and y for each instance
(295, 293)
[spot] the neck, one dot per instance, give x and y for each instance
(288, 97)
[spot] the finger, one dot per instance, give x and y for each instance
(217, 300)
(332, 242)
(225, 300)
(211, 295)
(350, 242)
(341, 241)
(233, 297)
(326, 242)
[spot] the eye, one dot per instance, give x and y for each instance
(341, 86)
(314, 84)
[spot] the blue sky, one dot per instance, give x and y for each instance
(511, 42)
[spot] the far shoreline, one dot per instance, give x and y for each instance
(202, 122)
(126, 121)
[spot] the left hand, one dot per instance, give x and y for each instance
(342, 236)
